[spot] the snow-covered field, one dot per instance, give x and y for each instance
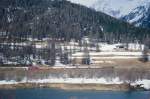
(110, 53)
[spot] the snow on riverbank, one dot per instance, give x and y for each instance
(4, 82)
(78, 81)
(145, 83)
(66, 80)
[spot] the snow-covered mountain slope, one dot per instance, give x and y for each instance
(133, 11)
(139, 16)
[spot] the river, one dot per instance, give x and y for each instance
(61, 94)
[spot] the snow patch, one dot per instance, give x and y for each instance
(68, 80)
(145, 83)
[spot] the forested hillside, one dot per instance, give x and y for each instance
(62, 19)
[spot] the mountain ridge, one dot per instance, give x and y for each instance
(122, 9)
(62, 19)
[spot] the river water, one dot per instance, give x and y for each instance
(61, 94)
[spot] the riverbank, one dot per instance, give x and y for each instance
(100, 84)
(98, 87)
(105, 79)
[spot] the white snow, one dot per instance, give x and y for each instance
(139, 15)
(58, 63)
(9, 19)
(110, 53)
(87, 3)
(107, 47)
(95, 56)
(136, 18)
(4, 82)
(145, 83)
(135, 46)
(38, 46)
(67, 80)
